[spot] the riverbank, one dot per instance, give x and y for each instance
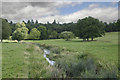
(30, 63)
(47, 52)
(73, 59)
(104, 48)
(74, 64)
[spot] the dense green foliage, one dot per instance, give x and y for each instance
(6, 30)
(20, 34)
(89, 28)
(53, 35)
(67, 35)
(34, 34)
(85, 28)
(112, 27)
(43, 31)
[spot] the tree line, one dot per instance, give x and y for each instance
(86, 28)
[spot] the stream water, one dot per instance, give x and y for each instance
(45, 53)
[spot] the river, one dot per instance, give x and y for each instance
(45, 53)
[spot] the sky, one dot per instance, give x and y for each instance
(62, 11)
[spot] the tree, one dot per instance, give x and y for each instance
(48, 22)
(19, 25)
(30, 25)
(28, 21)
(36, 22)
(54, 22)
(11, 22)
(49, 33)
(20, 34)
(118, 25)
(92, 32)
(22, 24)
(43, 31)
(34, 34)
(24, 21)
(89, 27)
(67, 35)
(113, 26)
(32, 21)
(6, 30)
(53, 35)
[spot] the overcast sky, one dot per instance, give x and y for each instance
(63, 12)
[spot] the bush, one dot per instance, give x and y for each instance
(55, 50)
(34, 34)
(67, 35)
(107, 73)
(73, 64)
(57, 73)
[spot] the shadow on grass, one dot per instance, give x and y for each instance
(82, 41)
(8, 42)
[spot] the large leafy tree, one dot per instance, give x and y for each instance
(34, 34)
(53, 35)
(43, 31)
(30, 24)
(89, 27)
(20, 33)
(6, 30)
(118, 25)
(67, 35)
(92, 32)
(20, 25)
(17, 25)
(12, 25)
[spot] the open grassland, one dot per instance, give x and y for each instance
(13, 60)
(73, 58)
(104, 48)
(20, 60)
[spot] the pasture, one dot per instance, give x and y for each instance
(21, 60)
(104, 48)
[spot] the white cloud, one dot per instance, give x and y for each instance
(104, 14)
(93, 5)
(60, 0)
(44, 12)
(17, 11)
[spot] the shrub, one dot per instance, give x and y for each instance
(55, 50)
(73, 64)
(67, 35)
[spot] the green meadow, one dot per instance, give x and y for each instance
(20, 61)
(104, 48)
(25, 60)
(63, 40)
(13, 60)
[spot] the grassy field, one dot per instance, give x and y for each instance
(104, 48)
(13, 60)
(24, 60)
